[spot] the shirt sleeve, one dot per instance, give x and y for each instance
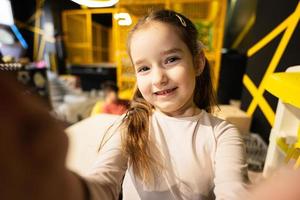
(105, 178)
(231, 175)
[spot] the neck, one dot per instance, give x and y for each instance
(192, 111)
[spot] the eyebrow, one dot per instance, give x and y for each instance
(138, 62)
(174, 50)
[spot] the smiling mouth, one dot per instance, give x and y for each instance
(165, 92)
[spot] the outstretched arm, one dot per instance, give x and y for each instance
(32, 150)
(231, 176)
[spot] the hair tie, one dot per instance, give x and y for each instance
(181, 20)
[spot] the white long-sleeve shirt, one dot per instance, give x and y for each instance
(203, 156)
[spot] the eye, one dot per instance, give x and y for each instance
(142, 69)
(171, 59)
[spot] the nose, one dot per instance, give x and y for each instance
(159, 76)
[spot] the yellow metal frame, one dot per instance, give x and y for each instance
(88, 28)
(288, 26)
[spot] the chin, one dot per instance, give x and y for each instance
(165, 110)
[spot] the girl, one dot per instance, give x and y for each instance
(175, 148)
(167, 143)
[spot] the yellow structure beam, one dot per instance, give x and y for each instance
(37, 24)
(277, 56)
(39, 5)
(263, 42)
(41, 49)
(288, 25)
(263, 104)
(219, 39)
(244, 32)
(36, 30)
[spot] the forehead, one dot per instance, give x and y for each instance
(155, 36)
(159, 28)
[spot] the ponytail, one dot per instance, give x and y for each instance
(204, 96)
(136, 142)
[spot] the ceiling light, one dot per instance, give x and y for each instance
(124, 19)
(96, 3)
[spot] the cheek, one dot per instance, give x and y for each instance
(188, 81)
(142, 86)
(184, 76)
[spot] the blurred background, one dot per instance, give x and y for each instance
(66, 51)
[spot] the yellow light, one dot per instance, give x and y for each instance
(96, 3)
(124, 19)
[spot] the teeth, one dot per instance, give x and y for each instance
(164, 92)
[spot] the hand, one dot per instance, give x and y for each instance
(32, 147)
(284, 184)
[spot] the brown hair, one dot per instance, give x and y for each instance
(136, 137)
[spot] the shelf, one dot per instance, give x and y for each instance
(285, 86)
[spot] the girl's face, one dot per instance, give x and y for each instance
(165, 69)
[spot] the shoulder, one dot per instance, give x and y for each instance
(220, 127)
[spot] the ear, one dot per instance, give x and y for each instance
(199, 63)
